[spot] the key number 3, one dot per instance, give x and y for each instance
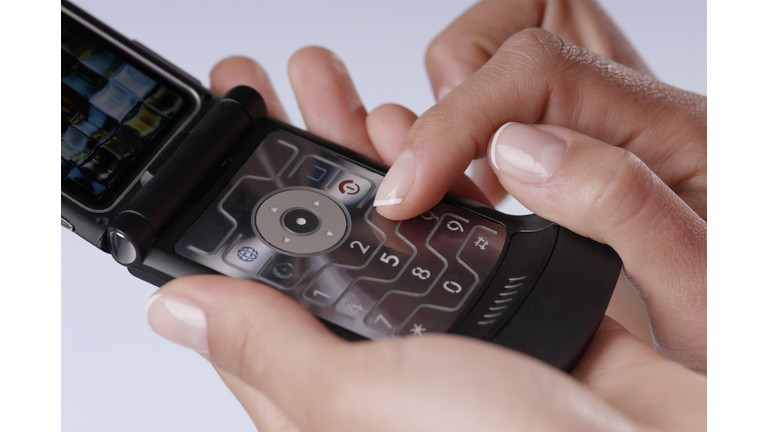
(421, 273)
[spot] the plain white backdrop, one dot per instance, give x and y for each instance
(119, 376)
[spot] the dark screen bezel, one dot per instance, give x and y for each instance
(134, 171)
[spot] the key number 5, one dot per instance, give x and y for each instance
(421, 273)
(391, 259)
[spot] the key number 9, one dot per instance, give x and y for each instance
(421, 273)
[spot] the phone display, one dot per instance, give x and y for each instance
(173, 180)
(114, 113)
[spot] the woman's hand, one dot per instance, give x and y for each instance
(290, 373)
(470, 41)
(628, 162)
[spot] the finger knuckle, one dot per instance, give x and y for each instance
(440, 50)
(623, 193)
(244, 365)
(547, 54)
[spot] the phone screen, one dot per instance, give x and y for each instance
(115, 113)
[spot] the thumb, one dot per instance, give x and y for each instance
(253, 332)
(608, 194)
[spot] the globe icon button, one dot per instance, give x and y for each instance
(247, 254)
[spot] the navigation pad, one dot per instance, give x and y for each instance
(299, 217)
(300, 221)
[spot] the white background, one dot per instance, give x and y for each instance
(116, 374)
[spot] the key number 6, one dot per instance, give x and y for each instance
(421, 273)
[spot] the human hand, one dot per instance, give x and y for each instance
(633, 175)
(260, 342)
(291, 374)
(473, 38)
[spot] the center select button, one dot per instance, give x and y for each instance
(301, 221)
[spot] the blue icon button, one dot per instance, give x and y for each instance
(247, 254)
(318, 174)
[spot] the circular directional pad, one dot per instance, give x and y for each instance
(301, 221)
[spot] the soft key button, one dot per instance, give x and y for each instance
(270, 158)
(240, 200)
(248, 254)
(352, 190)
(314, 172)
(209, 233)
(286, 271)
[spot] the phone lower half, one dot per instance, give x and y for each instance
(293, 211)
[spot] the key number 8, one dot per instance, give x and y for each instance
(421, 273)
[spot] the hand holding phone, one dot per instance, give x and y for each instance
(306, 406)
(280, 380)
(173, 180)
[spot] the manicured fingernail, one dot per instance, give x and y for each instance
(397, 182)
(442, 92)
(526, 153)
(179, 320)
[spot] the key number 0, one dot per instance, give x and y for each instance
(421, 273)
(452, 287)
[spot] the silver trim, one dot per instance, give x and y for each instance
(162, 73)
(67, 224)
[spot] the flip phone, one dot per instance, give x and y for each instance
(173, 180)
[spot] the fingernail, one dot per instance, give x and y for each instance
(397, 182)
(526, 153)
(442, 92)
(179, 320)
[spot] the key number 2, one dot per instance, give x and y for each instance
(421, 273)
(362, 248)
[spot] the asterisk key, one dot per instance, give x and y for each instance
(418, 329)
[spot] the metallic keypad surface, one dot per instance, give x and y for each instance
(299, 217)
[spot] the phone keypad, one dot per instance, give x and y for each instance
(300, 218)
